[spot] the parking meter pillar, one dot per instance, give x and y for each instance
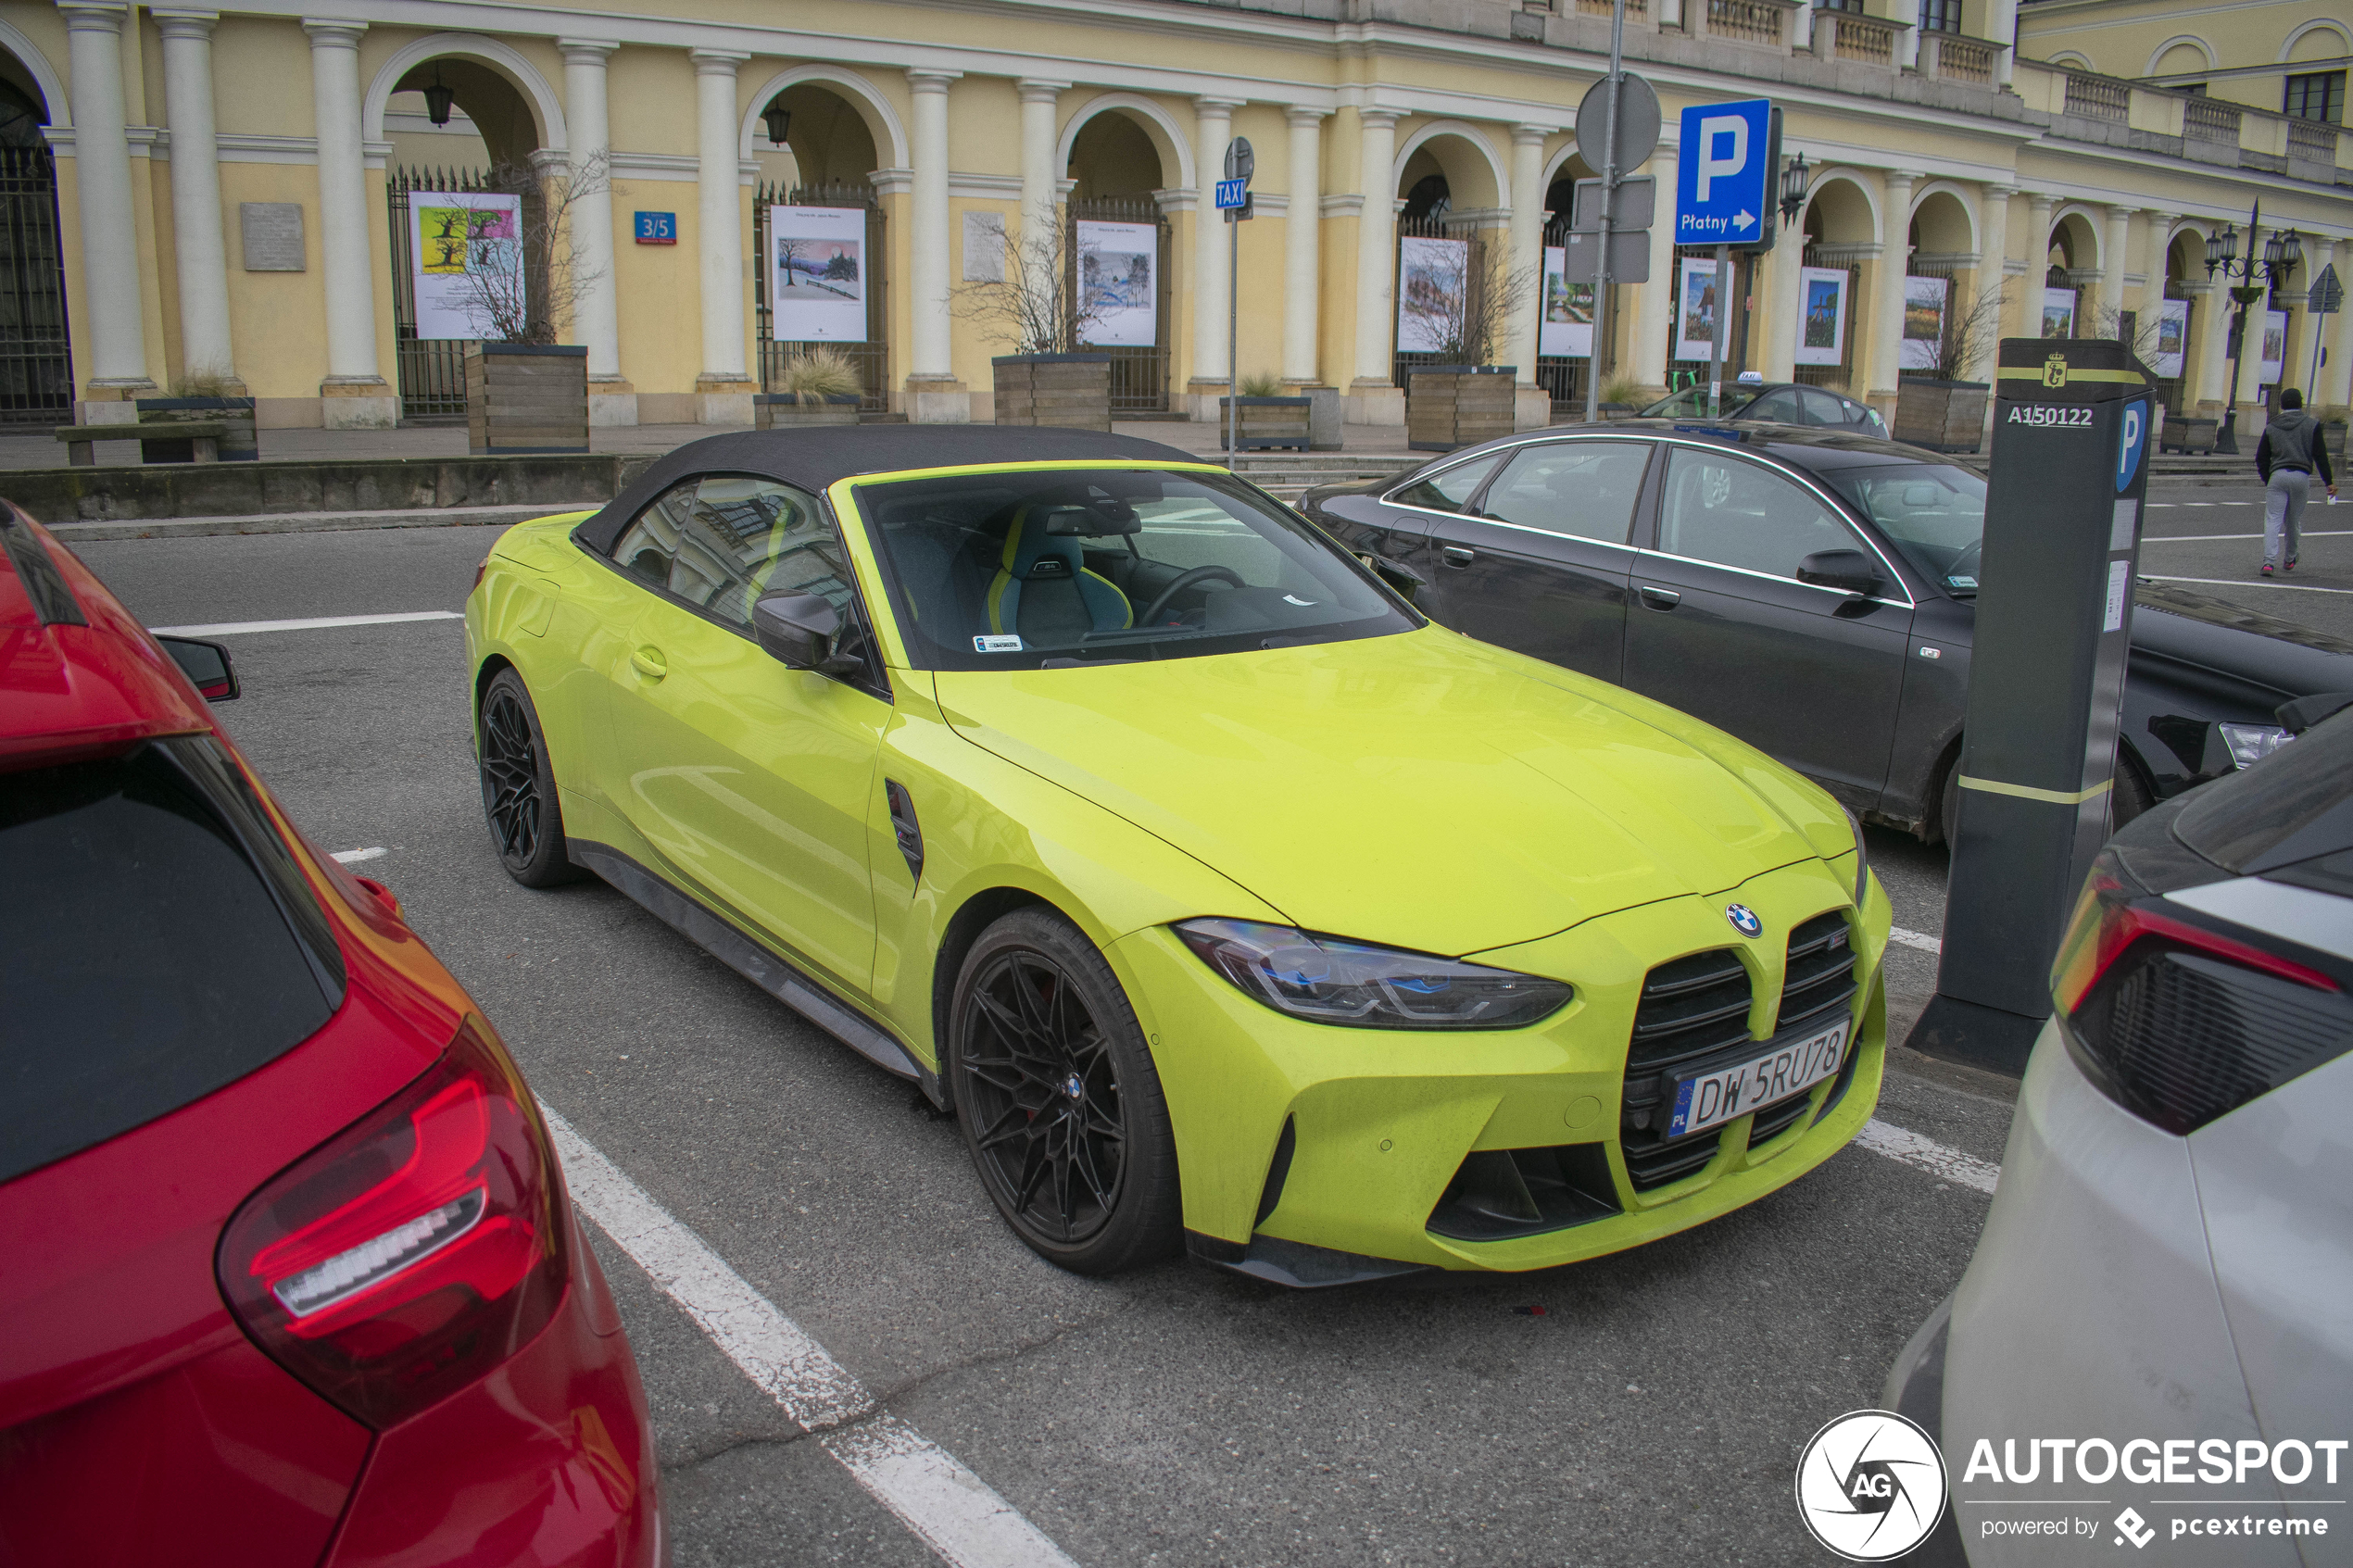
(2072, 438)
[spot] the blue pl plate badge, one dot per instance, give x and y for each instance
(2133, 443)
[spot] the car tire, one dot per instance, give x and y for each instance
(518, 787)
(1058, 1099)
(2129, 795)
(1948, 810)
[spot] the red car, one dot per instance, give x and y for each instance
(290, 1276)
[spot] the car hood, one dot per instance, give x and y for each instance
(1422, 790)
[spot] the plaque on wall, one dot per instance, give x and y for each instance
(273, 235)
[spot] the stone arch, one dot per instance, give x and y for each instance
(1562, 171)
(2185, 252)
(1170, 140)
(1843, 208)
(541, 100)
(882, 122)
(2344, 44)
(2199, 46)
(2076, 233)
(1474, 171)
(2071, 59)
(50, 87)
(1944, 220)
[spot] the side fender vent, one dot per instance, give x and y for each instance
(902, 821)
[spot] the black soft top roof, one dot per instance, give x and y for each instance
(815, 458)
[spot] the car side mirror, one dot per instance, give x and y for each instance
(1850, 570)
(798, 631)
(206, 665)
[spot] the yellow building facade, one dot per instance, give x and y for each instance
(229, 184)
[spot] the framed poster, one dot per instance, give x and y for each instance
(2172, 337)
(1821, 324)
(817, 274)
(466, 250)
(1433, 285)
(1925, 300)
(1566, 330)
(1117, 287)
(1695, 311)
(2059, 312)
(2275, 348)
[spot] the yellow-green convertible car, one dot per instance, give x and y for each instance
(1223, 897)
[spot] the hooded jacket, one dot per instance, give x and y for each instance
(2293, 441)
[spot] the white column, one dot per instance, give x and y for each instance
(2157, 240)
(354, 396)
(2001, 29)
(595, 310)
(2038, 256)
(1887, 301)
(934, 395)
(1213, 289)
(2114, 245)
(2210, 322)
(1371, 395)
(118, 357)
(1525, 266)
(723, 390)
(196, 192)
(2336, 376)
(1778, 293)
(1302, 247)
(1992, 254)
(1039, 177)
(1653, 302)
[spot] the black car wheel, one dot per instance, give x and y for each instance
(1059, 1102)
(519, 788)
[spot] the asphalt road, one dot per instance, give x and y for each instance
(1653, 1412)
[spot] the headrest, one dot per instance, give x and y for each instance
(1034, 552)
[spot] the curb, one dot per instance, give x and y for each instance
(307, 523)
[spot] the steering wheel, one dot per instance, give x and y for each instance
(1185, 581)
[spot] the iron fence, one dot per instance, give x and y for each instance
(37, 361)
(431, 370)
(870, 358)
(1139, 372)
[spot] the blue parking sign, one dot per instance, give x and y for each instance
(1724, 174)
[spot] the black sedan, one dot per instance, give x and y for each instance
(1810, 591)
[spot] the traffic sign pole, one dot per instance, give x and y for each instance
(1233, 200)
(1609, 202)
(1715, 332)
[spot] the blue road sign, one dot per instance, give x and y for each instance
(2133, 443)
(1724, 174)
(1233, 192)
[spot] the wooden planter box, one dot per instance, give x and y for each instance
(526, 397)
(238, 443)
(2188, 432)
(1071, 391)
(2332, 440)
(1451, 406)
(1267, 424)
(785, 410)
(1944, 416)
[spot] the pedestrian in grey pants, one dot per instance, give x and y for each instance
(2285, 459)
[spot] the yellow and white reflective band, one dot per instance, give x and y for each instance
(2028, 792)
(2034, 372)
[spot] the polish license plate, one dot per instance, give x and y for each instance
(1778, 1071)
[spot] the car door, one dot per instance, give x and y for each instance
(1409, 519)
(1720, 627)
(751, 780)
(1539, 566)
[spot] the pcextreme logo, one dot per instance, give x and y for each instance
(1870, 1485)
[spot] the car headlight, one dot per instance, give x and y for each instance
(1862, 858)
(2249, 743)
(1326, 980)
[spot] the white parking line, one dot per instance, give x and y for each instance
(353, 857)
(2264, 583)
(949, 1508)
(1919, 939)
(1945, 1164)
(313, 623)
(2305, 534)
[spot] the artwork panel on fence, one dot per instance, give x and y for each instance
(1695, 309)
(2172, 337)
(1925, 301)
(817, 266)
(1116, 283)
(1821, 334)
(1433, 284)
(1566, 330)
(2273, 358)
(466, 253)
(2059, 312)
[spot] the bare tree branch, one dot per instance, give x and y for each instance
(1463, 303)
(1041, 305)
(524, 287)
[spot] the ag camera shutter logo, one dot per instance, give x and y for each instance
(1870, 1485)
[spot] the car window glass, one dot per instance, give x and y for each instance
(1722, 509)
(1781, 405)
(1449, 490)
(1585, 488)
(1933, 513)
(1820, 407)
(723, 541)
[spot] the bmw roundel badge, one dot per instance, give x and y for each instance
(1743, 919)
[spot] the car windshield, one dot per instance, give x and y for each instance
(1691, 404)
(1046, 567)
(1933, 512)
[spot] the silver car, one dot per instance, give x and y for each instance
(2153, 1346)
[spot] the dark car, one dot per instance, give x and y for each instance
(1810, 591)
(1775, 403)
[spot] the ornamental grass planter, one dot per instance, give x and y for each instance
(526, 397)
(1944, 416)
(1451, 406)
(2332, 442)
(789, 411)
(1267, 424)
(1069, 390)
(238, 443)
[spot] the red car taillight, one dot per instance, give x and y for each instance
(415, 1251)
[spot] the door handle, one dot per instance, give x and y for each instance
(1457, 556)
(1660, 599)
(647, 661)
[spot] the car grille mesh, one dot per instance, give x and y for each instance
(1821, 983)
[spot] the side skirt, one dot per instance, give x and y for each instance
(755, 963)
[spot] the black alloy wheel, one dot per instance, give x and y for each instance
(1060, 1103)
(519, 788)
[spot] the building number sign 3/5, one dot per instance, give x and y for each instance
(657, 228)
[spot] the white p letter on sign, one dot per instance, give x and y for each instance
(1710, 165)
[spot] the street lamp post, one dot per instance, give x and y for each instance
(2283, 253)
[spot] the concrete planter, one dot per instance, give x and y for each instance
(1266, 423)
(1944, 416)
(789, 410)
(238, 443)
(1616, 410)
(1451, 406)
(2332, 439)
(2189, 432)
(1071, 391)
(526, 397)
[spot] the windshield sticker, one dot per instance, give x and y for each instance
(1295, 599)
(1007, 644)
(1962, 582)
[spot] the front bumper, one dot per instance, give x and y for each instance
(1294, 1135)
